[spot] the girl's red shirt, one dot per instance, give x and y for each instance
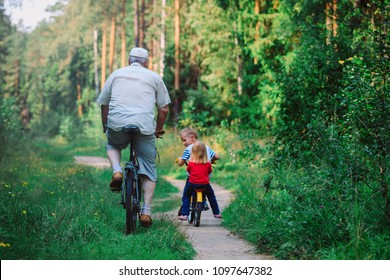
(199, 173)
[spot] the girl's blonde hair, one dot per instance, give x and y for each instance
(199, 153)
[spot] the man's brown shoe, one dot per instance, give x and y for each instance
(116, 182)
(146, 220)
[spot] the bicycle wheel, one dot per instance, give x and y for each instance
(191, 216)
(131, 214)
(197, 213)
(192, 209)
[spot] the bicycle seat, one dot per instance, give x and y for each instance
(131, 129)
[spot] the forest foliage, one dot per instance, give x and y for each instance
(312, 76)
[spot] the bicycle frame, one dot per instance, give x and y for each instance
(196, 207)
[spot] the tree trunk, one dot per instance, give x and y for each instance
(239, 67)
(142, 25)
(328, 22)
(153, 48)
(136, 24)
(123, 36)
(95, 60)
(79, 103)
(80, 106)
(238, 43)
(104, 55)
(25, 115)
(276, 4)
(257, 31)
(177, 45)
(112, 42)
(331, 20)
(335, 18)
(162, 37)
(177, 62)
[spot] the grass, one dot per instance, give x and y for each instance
(54, 209)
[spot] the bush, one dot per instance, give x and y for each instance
(304, 213)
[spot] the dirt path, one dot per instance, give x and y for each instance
(93, 161)
(211, 240)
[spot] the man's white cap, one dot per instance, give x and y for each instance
(139, 52)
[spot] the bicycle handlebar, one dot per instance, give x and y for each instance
(213, 161)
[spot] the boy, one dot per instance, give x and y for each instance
(189, 137)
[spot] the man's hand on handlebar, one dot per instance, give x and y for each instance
(159, 134)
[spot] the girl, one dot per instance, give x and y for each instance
(199, 170)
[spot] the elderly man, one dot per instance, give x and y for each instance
(129, 97)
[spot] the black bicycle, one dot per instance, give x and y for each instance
(131, 187)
